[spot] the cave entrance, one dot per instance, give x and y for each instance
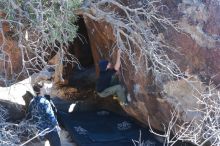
(81, 76)
(80, 47)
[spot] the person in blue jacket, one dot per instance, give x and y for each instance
(41, 112)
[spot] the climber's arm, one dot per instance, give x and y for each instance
(118, 61)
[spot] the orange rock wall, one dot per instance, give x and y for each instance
(199, 54)
(14, 55)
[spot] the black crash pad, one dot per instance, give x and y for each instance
(104, 128)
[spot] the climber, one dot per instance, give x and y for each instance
(41, 112)
(106, 83)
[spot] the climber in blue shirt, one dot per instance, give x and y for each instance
(106, 85)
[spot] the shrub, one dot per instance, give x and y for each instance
(41, 28)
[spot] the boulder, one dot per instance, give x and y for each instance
(15, 112)
(197, 57)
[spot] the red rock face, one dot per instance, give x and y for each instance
(13, 54)
(199, 55)
(212, 26)
(101, 39)
(144, 104)
(212, 29)
(200, 48)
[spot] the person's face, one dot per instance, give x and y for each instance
(109, 65)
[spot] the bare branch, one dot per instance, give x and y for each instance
(136, 30)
